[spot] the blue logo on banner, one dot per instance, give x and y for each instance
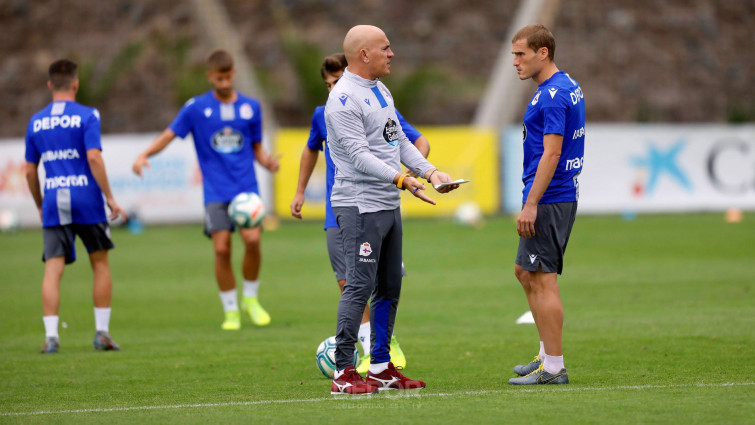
(659, 162)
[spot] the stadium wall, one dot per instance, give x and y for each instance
(628, 169)
(652, 168)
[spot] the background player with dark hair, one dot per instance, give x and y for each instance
(331, 70)
(65, 135)
(227, 130)
(554, 149)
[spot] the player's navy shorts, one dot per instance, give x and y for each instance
(337, 254)
(216, 218)
(59, 241)
(552, 229)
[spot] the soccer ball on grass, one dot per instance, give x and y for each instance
(326, 357)
(246, 210)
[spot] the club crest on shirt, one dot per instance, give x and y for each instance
(246, 112)
(227, 140)
(537, 97)
(390, 132)
(207, 112)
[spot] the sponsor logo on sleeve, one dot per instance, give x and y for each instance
(343, 98)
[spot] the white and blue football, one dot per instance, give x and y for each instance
(326, 357)
(246, 210)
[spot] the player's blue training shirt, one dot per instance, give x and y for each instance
(60, 136)
(558, 107)
(318, 135)
(223, 136)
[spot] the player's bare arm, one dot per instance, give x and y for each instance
(97, 165)
(32, 179)
(525, 223)
(268, 161)
(306, 167)
(423, 146)
(157, 146)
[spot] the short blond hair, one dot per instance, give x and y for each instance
(537, 36)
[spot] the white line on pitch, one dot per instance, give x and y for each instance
(400, 395)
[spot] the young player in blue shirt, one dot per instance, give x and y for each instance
(554, 146)
(331, 70)
(227, 130)
(65, 137)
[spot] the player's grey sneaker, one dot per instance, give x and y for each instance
(541, 377)
(52, 344)
(526, 369)
(103, 342)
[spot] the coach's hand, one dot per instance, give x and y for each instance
(438, 177)
(525, 223)
(417, 189)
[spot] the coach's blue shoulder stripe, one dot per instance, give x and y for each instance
(380, 97)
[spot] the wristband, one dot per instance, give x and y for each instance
(400, 182)
(431, 175)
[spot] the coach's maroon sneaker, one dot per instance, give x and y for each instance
(350, 382)
(392, 379)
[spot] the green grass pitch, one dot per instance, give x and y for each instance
(660, 328)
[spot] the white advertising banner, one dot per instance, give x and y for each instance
(171, 190)
(652, 168)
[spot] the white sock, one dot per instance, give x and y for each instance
(376, 368)
(51, 326)
(553, 364)
(228, 298)
(251, 287)
(102, 319)
(542, 351)
(364, 337)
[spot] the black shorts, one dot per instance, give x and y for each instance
(552, 229)
(59, 240)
